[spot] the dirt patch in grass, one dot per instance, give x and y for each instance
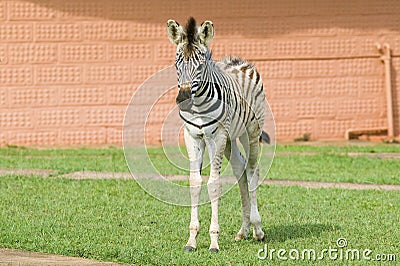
(123, 175)
(25, 258)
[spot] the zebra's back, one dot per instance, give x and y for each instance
(248, 97)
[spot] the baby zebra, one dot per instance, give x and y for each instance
(219, 103)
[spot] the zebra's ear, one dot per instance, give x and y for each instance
(206, 32)
(174, 31)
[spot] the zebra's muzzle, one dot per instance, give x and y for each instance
(184, 99)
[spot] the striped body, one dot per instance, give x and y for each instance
(230, 93)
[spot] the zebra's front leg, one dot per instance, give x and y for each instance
(216, 149)
(195, 148)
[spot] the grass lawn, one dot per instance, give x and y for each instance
(292, 162)
(114, 220)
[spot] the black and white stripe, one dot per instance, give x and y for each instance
(229, 92)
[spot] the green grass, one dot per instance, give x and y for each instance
(114, 220)
(293, 162)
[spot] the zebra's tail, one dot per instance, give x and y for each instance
(265, 138)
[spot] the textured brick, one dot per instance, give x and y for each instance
(159, 113)
(2, 10)
(80, 53)
(108, 74)
(168, 97)
(298, 48)
(3, 139)
(362, 25)
(87, 9)
(307, 26)
(32, 53)
(358, 107)
(82, 96)
(148, 31)
(390, 7)
(279, 9)
(3, 55)
(3, 98)
(133, 136)
(31, 10)
(218, 48)
(332, 47)
(104, 116)
(295, 88)
(58, 75)
(281, 110)
(165, 51)
(38, 138)
(120, 94)
(339, 47)
(314, 68)
(204, 11)
(360, 67)
(15, 76)
(33, 96)
(79, 136)
(328, 87)
(234, 27)
(59, 117)
(15, 119)
(108, 30)
(114, 136)
(174, 9)
(293, 129)
(152, 135)
(246, 9)
(58, 55)
(58, 32)
(371, 123)
(129, 51)
(275, 69)
(335, 128)
(142, 72)
(127, 10)
(250, 49)
(372, 86)
(15, 32)
(315, 108)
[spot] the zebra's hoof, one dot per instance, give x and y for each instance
(214, 250)
(239, 237)
(259, 238)
(189, 248)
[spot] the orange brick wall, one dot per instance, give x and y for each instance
(69, 68)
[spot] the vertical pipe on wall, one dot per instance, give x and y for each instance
(386, 58)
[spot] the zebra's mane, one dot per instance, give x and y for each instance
(236, 61)
(191, 35)
(191, 30)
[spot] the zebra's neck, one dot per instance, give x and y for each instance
(209, 76)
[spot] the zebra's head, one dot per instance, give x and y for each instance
(192, 54)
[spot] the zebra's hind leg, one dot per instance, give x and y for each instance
(238, 164)
(195, 148)
(252, 172)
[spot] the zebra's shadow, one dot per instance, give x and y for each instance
(281, 233)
